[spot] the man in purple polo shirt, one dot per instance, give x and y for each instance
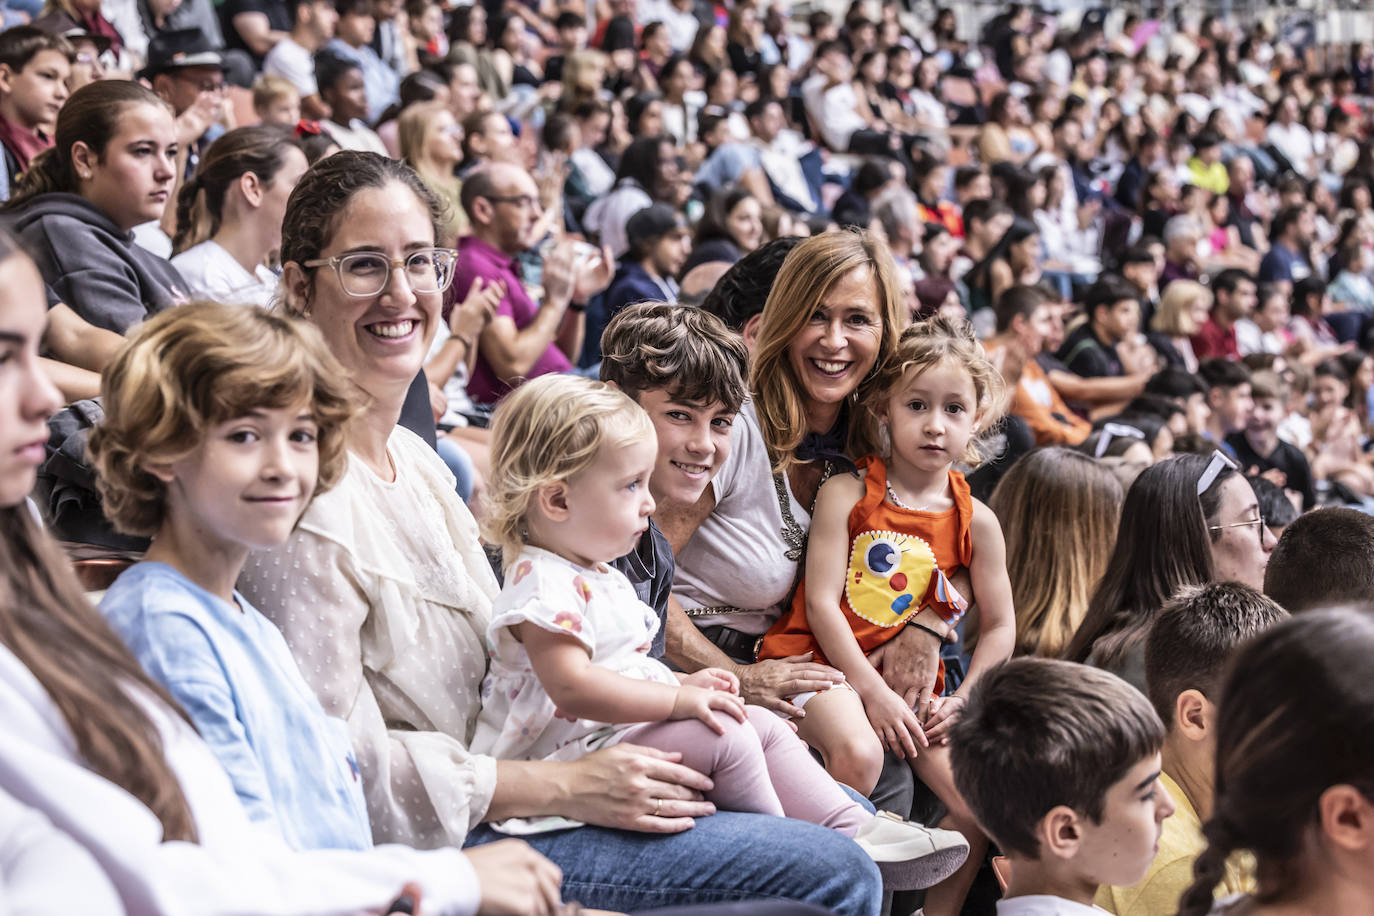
(523, 340)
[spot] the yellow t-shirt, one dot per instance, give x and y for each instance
(1171, 873)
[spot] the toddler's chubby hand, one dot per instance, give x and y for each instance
(700, 703)
(711, 679)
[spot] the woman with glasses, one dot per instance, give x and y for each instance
(229, 215)
(111, 168)
(383, 594)
(1188, 520)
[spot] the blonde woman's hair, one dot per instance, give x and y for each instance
(809, 272)
(1174, 315)
(193, 367)
(936, 341)
(549, 430)
(413, 128)
(1059, 511)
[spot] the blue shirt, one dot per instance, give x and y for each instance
(1281, 264)
(381, 82)
(230, 669)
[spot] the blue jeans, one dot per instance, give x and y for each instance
(459, 464)
(726, 857)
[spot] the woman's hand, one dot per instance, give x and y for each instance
(630, 787)
(702, 703)
(944, 712)
(910, 662)
(711, 679)
(470, 316)
(769, 683)
(516, 880)
(894, 723)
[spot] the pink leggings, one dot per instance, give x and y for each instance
(758, 766)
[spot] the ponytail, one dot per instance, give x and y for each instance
(194, 222)
(1209, 869)
(47, 173)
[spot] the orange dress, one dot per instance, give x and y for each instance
(898, 563)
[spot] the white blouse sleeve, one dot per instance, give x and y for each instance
(423, 787)
(44, 871)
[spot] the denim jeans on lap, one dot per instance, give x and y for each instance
(726, 857)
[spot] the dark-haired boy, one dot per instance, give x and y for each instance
(1187, 391)
(1185, 654)
(1023, 322)
(1324, 558)
(1060, 764)
(1258, 445)
(1113, 308)
(34, 67)
(687, 371)
(1228, 397)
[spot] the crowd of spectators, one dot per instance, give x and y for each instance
(1054, 329)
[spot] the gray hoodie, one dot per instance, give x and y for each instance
(91, 264)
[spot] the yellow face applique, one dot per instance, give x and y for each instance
(888, 576)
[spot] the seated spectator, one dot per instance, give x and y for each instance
(276, 102)
(1123, 448)
(66, 17)
(1113, 310)
(1258, 447)
(1185, 390)
(1290, 240)
(731, 227)
(1022, 320)
(1336, 451)
(229, 215)
(1186, 653)
(1013, 261)
(659, 242)
(293, 58)
(1054, 760)
(1181, 236)
(1183, 309)
(191, 381)
(1339, 542)
(111, 169)
(1188, 520)
(1266, 330)
(352, 40)
(341, 87)
(648, 172)
(187, 72)
(1004, 136)
(523, 340)
(985, 222)
(1229, 401)
(898, 213)
(429, 144)
(36, 67)
(487, 137)
(1296, 713)
(1235, 299)
(1059, 512)
(1205, 169)
(1351, 287)
(834, 107)
(1290, 137)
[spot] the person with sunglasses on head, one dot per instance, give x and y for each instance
(523, 340)
(1188, 520)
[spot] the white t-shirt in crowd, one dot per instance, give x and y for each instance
(1044, 905)
(294, 64)
(835, 110)
(212, 273)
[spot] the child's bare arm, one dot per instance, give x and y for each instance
(588, 691)
(996, 617)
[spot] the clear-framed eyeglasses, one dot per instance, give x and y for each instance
(367, 273)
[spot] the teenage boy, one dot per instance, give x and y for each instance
(659, 245)
(1228, 397)
(1060, 764)
(687, 371)
(1185, 654)
(1113, 308)
(1259, 447)
(34, 67)
(1187, 391)
(1325, 558)
(1023, 322)
(293, 58)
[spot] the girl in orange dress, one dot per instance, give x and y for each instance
(881, 547)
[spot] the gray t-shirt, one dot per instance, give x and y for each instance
(743, 558)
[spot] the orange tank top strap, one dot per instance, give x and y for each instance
(963, 501)
(875, 492)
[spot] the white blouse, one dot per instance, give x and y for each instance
(384, 594)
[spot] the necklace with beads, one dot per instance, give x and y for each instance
(896, 500)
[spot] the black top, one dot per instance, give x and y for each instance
(1089, 357)
(650, 570)
(416, 413)
(278, 15)
(1287, 458)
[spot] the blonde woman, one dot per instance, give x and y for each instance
(1059, 511)
(1183, 310)
(430, 142)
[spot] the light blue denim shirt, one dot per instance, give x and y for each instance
(230, 669)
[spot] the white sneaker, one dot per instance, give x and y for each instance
(909, 856)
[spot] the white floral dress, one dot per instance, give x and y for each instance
(599, 608)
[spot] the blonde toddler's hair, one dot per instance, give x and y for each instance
(549, 430)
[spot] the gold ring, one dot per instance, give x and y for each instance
(658, 802)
